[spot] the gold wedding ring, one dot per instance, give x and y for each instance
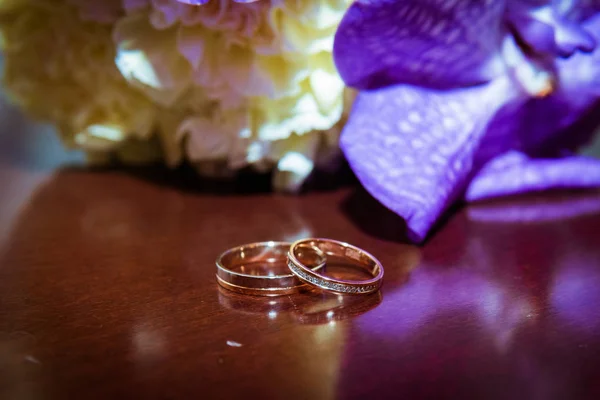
(334, 249)
(261, 268)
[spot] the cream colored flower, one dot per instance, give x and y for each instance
(224, 85)
(61, 69)
(264, 71)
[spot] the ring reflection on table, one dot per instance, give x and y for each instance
(313, 307)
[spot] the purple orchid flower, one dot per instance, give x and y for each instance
(469, 99)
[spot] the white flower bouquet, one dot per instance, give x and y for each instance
(222, 86)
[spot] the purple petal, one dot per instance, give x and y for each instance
(571, 37)
(580, 74)
(515, 173)
(432, 43)
(544, 28)
(555, 125)
(537, 34)
(194, 2)
(579, 10)
(413, 148)
(547, 127)
(570, 34)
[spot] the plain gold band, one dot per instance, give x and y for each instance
(337, 249)
(266, 253)
(272, 291)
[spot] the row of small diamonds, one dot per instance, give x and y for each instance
(329, 285)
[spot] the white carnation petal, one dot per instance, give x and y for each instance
(327, 88)
(135, 66)
(190, 43)
(204, 139)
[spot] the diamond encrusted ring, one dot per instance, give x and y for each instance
(341, 251)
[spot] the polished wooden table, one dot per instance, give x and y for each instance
(107, 290)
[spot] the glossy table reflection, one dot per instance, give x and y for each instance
(107, 290)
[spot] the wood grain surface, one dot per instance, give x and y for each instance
(107, 290)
